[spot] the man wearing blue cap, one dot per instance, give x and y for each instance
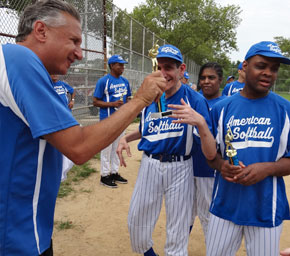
(166, 166)
(236, 86)
(230, 79)
(249, 198)
(185, 78)
(111, 92)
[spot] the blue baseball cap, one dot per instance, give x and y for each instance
(267, 49)
(116, 59)
(169, 51)
(229, 77)
(240, 66)
(186, 75)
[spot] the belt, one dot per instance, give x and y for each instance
(167, 157)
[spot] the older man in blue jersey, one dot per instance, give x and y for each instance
(249, 198)
(36, 127)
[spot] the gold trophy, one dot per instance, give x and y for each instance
(231, 152)
(153, 52)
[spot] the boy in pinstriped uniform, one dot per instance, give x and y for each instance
(166, 165)
(249, 200)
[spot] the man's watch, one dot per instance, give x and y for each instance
(73, 99)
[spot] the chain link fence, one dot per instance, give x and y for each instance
(107, 30)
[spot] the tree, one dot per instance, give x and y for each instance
(283, 83)
(201, 29)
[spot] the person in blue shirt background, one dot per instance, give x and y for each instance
(63, 89)
(111, 92)
(210, 78)
(236, 86)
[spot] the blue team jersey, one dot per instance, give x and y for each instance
(162, 136)
(261, 134)
(200, 166)
(232, 88)
(110, 89)
(30, 167)
(62, 89)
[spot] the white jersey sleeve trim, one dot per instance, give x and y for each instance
(42, 145)
(6, 96)
(283, 138)
(219, 136)
(107, 95)
(189, 137)
(274, 200)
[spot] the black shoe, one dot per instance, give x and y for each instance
(108, 181)
(116, 177)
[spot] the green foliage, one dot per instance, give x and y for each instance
(201, 29)
(283, 82)
(76, 174)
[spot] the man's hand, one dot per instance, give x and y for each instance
(229, 171)
(123, 145)
(252, 174)
(117, 103)
(186, 114)
(152, 88)
(71, 104)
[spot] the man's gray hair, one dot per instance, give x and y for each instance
(48, 11)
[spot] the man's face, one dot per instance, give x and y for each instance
(184, 80)
(63, 46)
(210, 83)
(260, 75)
(170, 72)
(117, 69)
(230, 80)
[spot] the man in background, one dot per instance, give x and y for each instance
(185, 78)
(236, 86)
(230, 79)
(63, 89)
(112, 91)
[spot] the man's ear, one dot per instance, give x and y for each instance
(182, 69)
(40, 31)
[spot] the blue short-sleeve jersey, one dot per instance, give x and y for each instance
(162, 136)
(200, 166)
(261, 134)
(62, 89)
(30, 167)
(110, 89)
(232, 88)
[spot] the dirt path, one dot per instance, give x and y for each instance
(99, 216)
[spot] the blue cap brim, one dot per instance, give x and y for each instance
(282, 59)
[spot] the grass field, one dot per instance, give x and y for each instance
(285, 95)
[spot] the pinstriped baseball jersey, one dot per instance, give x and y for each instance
(30, 167)
(261, 134)
(162, 136)
(110, 89)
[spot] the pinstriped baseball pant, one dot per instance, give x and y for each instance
(224, 238)
(202, 199)
(173, 180)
